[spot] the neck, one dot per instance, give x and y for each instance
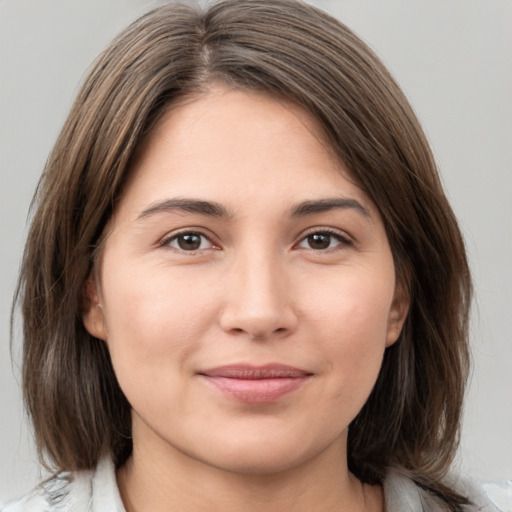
(170, 480)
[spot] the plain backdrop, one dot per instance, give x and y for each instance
(453, 59)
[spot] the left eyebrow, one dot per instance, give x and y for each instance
(325, 205)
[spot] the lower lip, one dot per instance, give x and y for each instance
(256, 391)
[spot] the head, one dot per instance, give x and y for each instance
(299, 56)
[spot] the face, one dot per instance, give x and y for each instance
(247, 288)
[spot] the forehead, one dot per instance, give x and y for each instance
(231, 145)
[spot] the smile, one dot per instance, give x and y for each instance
(256, 384)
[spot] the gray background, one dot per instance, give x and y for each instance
(453, 59)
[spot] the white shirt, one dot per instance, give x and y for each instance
(97, 491)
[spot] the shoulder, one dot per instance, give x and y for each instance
(499, 492)
(55, 494)
(403, 495)
(81, 491)
(486, 497)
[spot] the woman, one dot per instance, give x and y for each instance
(243, 287)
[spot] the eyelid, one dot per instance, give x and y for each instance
(344, 239)
(166, 239)
(341, 236)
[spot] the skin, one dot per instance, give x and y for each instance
(257, 290)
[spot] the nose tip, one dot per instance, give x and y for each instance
(257, 326)
(258, 306)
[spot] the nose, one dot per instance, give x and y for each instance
(258, 299)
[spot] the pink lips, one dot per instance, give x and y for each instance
(256, 384)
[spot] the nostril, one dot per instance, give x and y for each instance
(267, 334)
(256, 318)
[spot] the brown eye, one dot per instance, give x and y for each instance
(319, 241)
(324, 240)
(189, 242)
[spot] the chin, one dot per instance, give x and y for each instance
(258, 463)
(262, 455)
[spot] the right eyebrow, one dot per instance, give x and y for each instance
(201, 207)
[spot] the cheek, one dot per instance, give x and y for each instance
(152, 318)
(355, 301)
(350, 325)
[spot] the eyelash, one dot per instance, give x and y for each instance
(343, 241)
(166, 242)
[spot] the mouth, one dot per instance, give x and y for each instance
(256, 384)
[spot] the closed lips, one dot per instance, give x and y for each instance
(256, 373)
(256, 385)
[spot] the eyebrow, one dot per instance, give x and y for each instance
(213, 209)
(208, 208)
(325, 205)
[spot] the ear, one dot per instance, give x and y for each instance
(397, 313)
(92, 315)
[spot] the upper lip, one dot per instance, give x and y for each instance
(252, 372)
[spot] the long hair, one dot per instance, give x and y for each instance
(289, 49)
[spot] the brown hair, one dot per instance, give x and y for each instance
(286, 48)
